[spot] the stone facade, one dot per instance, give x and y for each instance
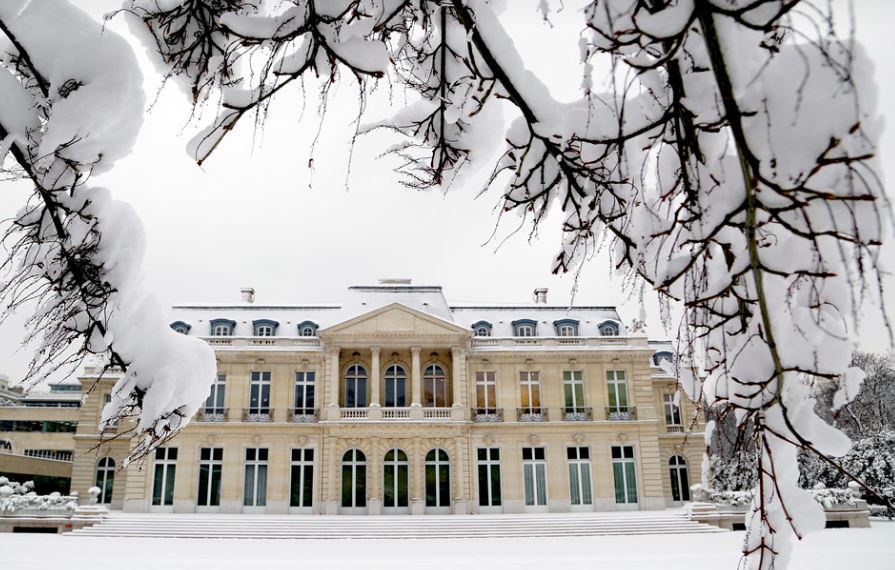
(456, 393)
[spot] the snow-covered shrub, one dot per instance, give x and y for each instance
(16, 497)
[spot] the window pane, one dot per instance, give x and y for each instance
(308, 486)
(631, 482)
(618, 473)
(573, 484)
(203, 484)
(388, 481)
(215, 485)
(295, 485)
(169, 485)
(157, 484)
(347, 486)
(444, 488)
(248, 490)
(403, 486)
(261, 495)
(431, 496)
(484, 494)
(360, 496)
(528, 472)
(586, 498)
(542, 483)
(495, 485)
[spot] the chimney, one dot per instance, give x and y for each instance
(248, 294)
(540, 295)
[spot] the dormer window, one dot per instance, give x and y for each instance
(566, 327)
(525, 327)
(608, 328)
(222, 327)
(180, 327)
(264, 327)
(663, 356)
(481, 328)
(308, 328)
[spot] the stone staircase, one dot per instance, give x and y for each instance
(392, 527)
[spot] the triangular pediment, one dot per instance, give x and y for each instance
(395, 319)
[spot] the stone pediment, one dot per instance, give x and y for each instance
(395, 321)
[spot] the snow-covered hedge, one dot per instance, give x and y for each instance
(826, 497)
(16, 497)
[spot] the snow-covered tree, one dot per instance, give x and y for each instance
(872, 411)
(71, 104)
(729, 165)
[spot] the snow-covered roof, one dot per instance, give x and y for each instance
(362, 299)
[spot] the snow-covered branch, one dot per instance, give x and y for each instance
(73, 103)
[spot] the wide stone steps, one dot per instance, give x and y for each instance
(391, 527)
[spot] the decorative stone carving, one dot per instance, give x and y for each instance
(578, 438)
(256, 439)
(488, 439)
(622, 437)
(302, 440)
(211, 438)
(534, 439)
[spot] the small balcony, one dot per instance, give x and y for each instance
(354, 413)
(212, 415)
(486, 415)
(257, 415)
(669, 428)
(301, 415)
(402, 413)
(577, 414)
(437, 413)
(621, 414)
(531, 414)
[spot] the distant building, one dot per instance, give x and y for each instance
(395, 401)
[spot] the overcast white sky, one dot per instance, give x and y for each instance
(256, 215)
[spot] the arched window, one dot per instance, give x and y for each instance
(438, 479)
(354, 479)
(608, 328)
(663, 356)
(482, 328)
(680, 479)
(525, 327)
(105, 479)
(434, 387)
(356, 387)
(566, 327)
(307, 328)
(395, 480)
(264, 327)
(395, 386)
(180, 327)
(222, 327)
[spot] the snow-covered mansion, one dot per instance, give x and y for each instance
(395, 401)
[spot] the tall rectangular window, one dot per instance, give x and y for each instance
(618, 390)
(301, 488)
(259, 393)
(530, 387)
(672, 410)
(573, 389)
(579, 475)
(304, 393)
(214, 404)
(255, 484)
(489, 476)
(534, 474)
(163, 476)
(486, 392)
(211, 461)
(624, 472)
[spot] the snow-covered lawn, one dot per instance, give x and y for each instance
(840, 549)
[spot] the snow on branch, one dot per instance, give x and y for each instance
(72, 105)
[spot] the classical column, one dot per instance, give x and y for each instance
(416, 377)
(332, 376)
(374, 377)
(458, 378)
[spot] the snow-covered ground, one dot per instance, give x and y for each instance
(838, 549)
